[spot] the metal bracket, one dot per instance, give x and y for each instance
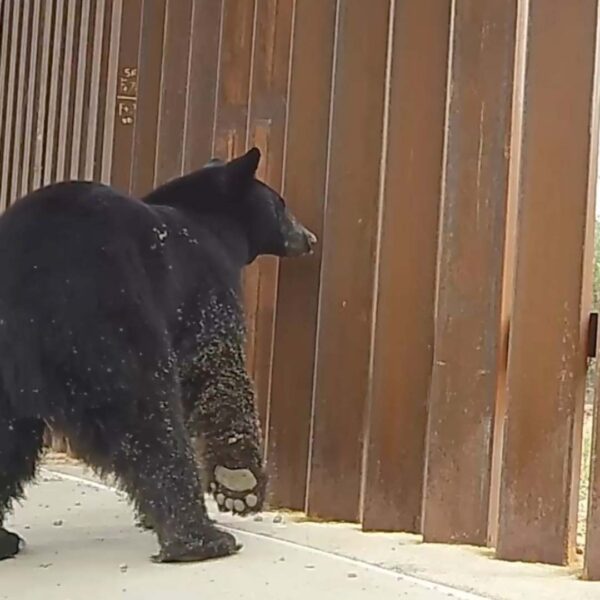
(592, 341)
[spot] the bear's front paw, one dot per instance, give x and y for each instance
(239, 491)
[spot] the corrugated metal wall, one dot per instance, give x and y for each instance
(57, 104)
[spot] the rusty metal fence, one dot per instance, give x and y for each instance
(445, 152)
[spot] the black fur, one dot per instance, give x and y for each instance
(121, 326)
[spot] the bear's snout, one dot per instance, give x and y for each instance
(301, 242)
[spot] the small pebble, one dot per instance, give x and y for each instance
(277, 519)
(258, 518)
(123, 568)
(58, 523)
(45, 565)
(309, 566)
(352, 575)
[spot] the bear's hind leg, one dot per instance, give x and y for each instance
(152, 457)
(20, 448)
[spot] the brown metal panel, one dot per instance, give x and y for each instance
(174, 81)
(55, 73)
(235, 54)
(20, 101)
(95, 45)
(268, 103)
(6, 167)
(32, 96)
(510, 247)
(305, 172)
(3, 26)
(126, 92)
(202, 84)
(79, 96)
(104, 77)
(110, 107)
(403, 341)
(548, 340)
(7, 32)
(86, 114)
(42, 95)
(592, 542)
(342, 373)
(65, 117)
(592, 538)
(470, 273)
(149, 93)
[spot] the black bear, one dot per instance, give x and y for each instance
(121, 326)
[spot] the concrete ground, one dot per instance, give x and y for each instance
(81, 544)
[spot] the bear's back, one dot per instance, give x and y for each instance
(75, 235)
(82, 255)
(70, 213)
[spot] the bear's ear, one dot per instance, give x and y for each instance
(243, 169)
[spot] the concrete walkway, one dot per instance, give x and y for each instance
(82, 545)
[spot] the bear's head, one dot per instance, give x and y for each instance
(232, 191)
(270, 226)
